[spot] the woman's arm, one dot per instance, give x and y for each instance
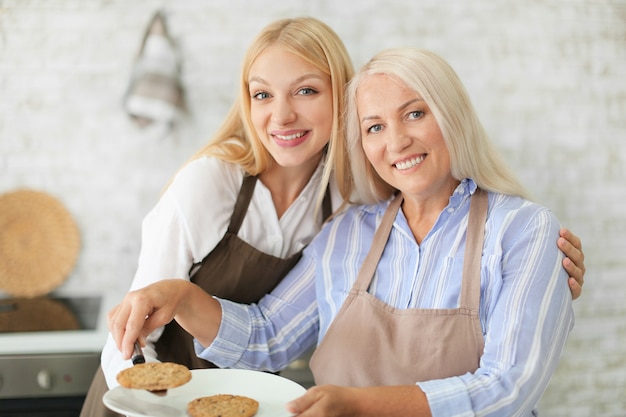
(267, 335)
(270, 334)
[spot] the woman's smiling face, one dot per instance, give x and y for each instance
(401, 138)
(291, 107)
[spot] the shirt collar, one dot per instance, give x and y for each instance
(463, 191)
(466, 188)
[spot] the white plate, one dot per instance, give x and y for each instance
(271, 391)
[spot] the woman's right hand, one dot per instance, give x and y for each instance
(144, 310)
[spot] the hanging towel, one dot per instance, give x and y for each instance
(155, 93)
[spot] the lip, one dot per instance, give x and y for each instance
(408, 159)
(279, 135)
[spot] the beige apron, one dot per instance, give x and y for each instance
(233, 270)
(371, 343)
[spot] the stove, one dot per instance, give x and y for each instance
(49, 351)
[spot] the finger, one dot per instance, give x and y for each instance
(302, 403)
(574, 255)
(126, 322)
(572, 246)
(575, 288)
(571, 237)
(117, 324)
(568, 248)
(575, 280)
(134, 329)
(574, 271)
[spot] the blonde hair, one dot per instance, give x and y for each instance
(315, 42)
(472, 154)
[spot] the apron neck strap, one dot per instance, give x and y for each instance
(242, 203)
(470, 292)
(366, 273)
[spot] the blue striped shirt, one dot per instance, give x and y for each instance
(525, 311)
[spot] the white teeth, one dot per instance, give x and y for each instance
(291, 137)
(410, 163)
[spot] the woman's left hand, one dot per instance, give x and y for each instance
(574, 264)
(336, 401)
(324, 400)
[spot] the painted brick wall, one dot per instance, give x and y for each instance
(547, 77)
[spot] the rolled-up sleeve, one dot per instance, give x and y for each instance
(232, 338)
(269, 335)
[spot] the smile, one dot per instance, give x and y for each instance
(290, 137)
(410, 163)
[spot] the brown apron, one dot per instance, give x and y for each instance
(233, 270)
(371, 343)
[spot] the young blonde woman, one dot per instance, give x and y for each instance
(236, 217)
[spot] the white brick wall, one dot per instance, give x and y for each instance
(548, 79)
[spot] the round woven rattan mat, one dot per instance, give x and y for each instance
(39, 243)
(36, 314)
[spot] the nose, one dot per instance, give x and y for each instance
(283, 112)
(398, 138)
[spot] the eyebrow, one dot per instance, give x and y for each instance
(296, 81)
(402, 107)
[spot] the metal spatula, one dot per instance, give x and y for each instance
(137, 357)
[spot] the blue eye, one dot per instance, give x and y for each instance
(416, 114)
(261, 95)
(307, 91)
(375, 128)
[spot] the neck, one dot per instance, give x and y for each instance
(286, 183)
(422, 212)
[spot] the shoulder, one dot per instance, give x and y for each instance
(206, 170)
(516, 216)
(206, 177)
(503, 205)
(204, 190)
(355, 219)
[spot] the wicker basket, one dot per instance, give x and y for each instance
(39, 243)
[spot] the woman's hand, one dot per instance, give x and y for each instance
(144, 310)
(335, 401)
(574, 264)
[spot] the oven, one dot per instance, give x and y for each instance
(49, 351)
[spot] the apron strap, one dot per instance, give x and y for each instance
(245, 196)
(242, 203)
(239, 212)
(327, 204)
(366, 273)
(470, 291)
